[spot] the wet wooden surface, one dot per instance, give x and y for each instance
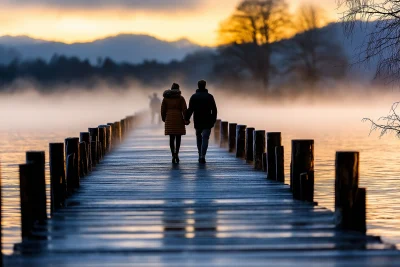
(137, 209)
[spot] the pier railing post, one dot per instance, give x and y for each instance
(280, 163)
(72, 148)
(224, 137)
(302, 162)
(217, 131)
(102, 140)
(307, 186)
(123, 128)
(273, 140)
(112, 135)
(249, 155)
(26, 181)
(109, 137)
(83, 160)
(240, 141)
(264, 162)
(259, 148)
(117, 133)
(94, 136)
(232, 137)
(37, 159)
(58, 185)
(350, 201)
(85, 137)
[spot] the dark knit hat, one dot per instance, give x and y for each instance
(175, 86)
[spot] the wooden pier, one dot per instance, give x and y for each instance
(138, 209)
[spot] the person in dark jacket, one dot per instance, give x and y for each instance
(202, 105)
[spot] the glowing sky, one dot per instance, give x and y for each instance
(85, 20)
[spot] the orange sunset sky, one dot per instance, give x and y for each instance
(85, 20)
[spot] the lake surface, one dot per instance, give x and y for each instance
(333, 127)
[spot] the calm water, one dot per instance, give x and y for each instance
(333, 128)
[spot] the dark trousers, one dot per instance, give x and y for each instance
(203, 137)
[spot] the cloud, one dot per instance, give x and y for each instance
(155, 5)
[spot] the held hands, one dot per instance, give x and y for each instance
(187, 122)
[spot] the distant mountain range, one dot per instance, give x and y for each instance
(134, 48)
(121, 48)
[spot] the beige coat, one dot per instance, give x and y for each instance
(173, 110)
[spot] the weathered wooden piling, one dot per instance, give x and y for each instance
(117, 132)
(37, 159)
(280, 163)
(302, 162)
(72, 148)
(26, 183)
(249, 145)
(58, 185)
(123, 128)
(94, 136)
(93, 151)
(350, 203)
(273, 140)
(217, 131)
(241, 141)
(264, 162)
(258, 148)
(224, 134)
(232, 137)
(307, 186)
(102, 141)
(113, 135)
(84, 161)
(85, 137)
(109, 138)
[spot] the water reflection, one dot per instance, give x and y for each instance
(190, 218)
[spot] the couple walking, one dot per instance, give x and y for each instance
(176, 115)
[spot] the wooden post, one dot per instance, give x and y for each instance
(26, 183)
(118, 137)
(102, 141)
(302, 162)
(72, 148)
(264, 162)
(307, 186)
(280, 163)
(240, 141)
(109, 137)
(273, 140)
(85, 137)
(84, 161)
(58, 188)
(94, 136)
(112, 139)
(217, 131)
(93, 151)
(249, 145)
(258, 148)
(123, 128)
(350, 203)
(37, 159)
(232, 137)
(224, 134)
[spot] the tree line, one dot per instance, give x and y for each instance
(255, 53)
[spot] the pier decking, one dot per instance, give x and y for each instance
(137, 209)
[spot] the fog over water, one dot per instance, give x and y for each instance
(29, 121)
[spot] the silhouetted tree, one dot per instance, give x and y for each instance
(384, 40)
(251, 30)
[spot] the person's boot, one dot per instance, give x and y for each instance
(173, 158)
(203, 161)
(177, 157)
